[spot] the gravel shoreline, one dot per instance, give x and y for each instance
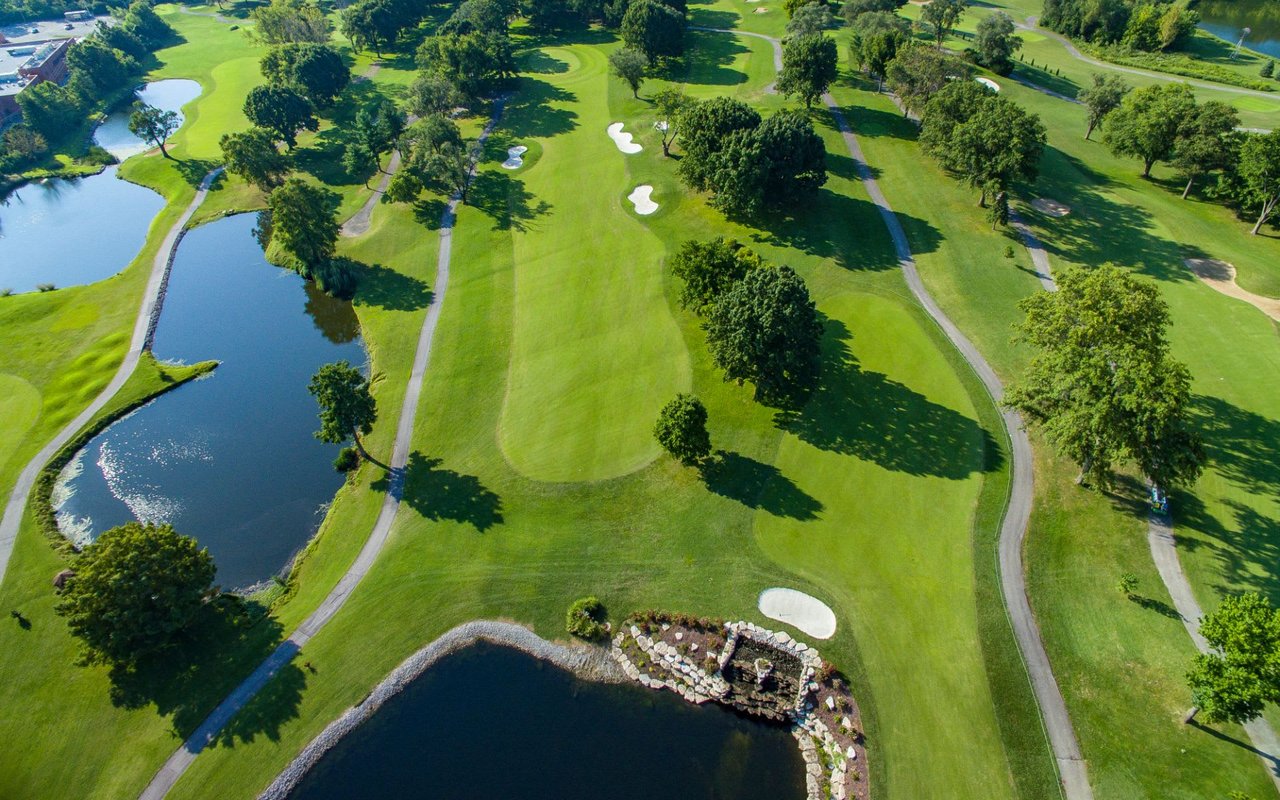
(586, 662)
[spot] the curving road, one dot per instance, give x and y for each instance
(181, 758)
(1013, 530)
(143, 327)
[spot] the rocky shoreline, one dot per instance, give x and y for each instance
(589, 663)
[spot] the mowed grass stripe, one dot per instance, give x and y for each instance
(595, 351)
(896, 466)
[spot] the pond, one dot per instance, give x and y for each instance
(71, 231)
(229, 459)
(168, 95)
(490, 721)
(1229, 18)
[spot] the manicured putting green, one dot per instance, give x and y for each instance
(890, 455)
(595, 350)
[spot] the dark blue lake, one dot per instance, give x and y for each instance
(1229, 18)
(491, 722)
(229, 459)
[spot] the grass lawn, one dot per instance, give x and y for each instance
(1080, 542)
(480, 536)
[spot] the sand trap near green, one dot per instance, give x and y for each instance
(595, 350)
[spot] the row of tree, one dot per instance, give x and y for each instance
(1164, 123)
(1144, 26)
(100, 66)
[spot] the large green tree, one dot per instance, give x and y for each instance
(795, 159)
(655, 29)
(282, 110)
(877, 37)
(153, 125)
(1147, 122)
(133, 590)
(681, 429)
(705, 127)
(49, 109)
(473, 62)
(317, 71)
(709, 269)
(765, 329)
(285, 21)
(1102, 97)
(996, 42)
(669, 105)
(918, 71)
(1259, 173)
(1206, 142)
(254, 156)
(810, 19)
(629, 65)
(942, 17)
(304, 222)
(1101, 383)
(1241, 672)
(347, 407)
(433, 93)
(809, 65)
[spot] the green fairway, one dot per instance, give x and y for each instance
(595, 351)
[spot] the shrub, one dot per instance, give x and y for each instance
(1008, 251)
(586, 619)
(1128, 584)
(45, 287)
(347, 460)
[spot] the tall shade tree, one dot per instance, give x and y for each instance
(285, 21)
(877, 37)
(942, 16)
(629, 65)
(809, 65)
(706, 126)
(153, 125)
(1102, 97)
(317, 71)
(996, 42)
(433, 93)
(304, 222)
(133, 590)
(655, 29)
(669, 105)
(918, 71)
(347, 407)
(1101, 383)
(810, 19)
(281, 110)
(851, 10)
(1259, 173)
(1147, 122)
(473, 62)
(681, 429)
(1206, 142)
(1241, 672)
(254, 156)
(795, 159)
(765, 330)
(709, 269)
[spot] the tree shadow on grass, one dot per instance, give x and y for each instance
(847, 230)
(537, 62)
(429, 212)
(194, 170)
(532, 110)
(757, 485)
(1159, 606)
(386, 288)
(188, 679)
(1246, 552)
(505, 199)
(706, 60)
(439, 494)
(1273, 763)
(709, 18)
(874, 418)
(1241, 444)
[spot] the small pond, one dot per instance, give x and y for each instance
(231, 458)
(493, 722)
(70, 231)
(1229, 18)
(168, 95)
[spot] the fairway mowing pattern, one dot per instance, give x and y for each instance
(595, 350)
(895, 460)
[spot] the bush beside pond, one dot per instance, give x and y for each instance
(586, 619)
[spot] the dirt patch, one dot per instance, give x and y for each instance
(1050, 208)
(1221, 276)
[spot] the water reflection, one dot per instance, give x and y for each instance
(1229, 18)
(113, 134)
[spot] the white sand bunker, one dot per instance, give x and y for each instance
(762, 11)
(1221, 276)
(640, 198)
(1050, 208)
(800, 610)
(623, 140)
(990, 84)
(514, 157)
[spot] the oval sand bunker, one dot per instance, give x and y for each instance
(800, 610)
(623, 140)
(640, 198)
(514, 157)
(990, 84)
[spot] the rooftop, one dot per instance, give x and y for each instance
(43, 31)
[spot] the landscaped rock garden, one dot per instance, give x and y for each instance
(760, 672)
